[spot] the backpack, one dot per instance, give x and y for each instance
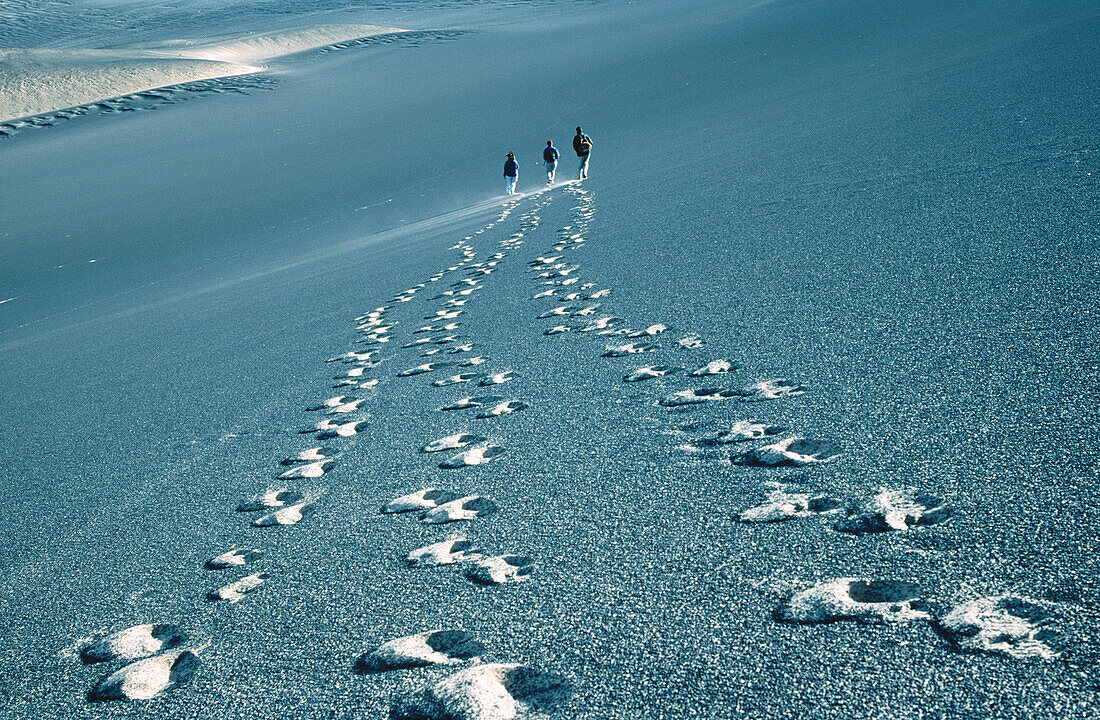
(550, 154)
(585, 144)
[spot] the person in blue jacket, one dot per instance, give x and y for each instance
(511, 174)
(550, 156)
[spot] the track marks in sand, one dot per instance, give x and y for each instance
(441, 647)
(491, 691)
(860, 599)
(145, 679)
(133, 643)
(234, 592)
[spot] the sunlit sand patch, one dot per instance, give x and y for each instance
(790, 452)
(889, 510)
(133, 643)
(237, 557)
(714, 367)
(490, 691)
(649, 372)
(474, 456)
(859, 599)
(1011, 625)
(441, 647)
(145, 679)
(448, 552)
(504, 408)
(501, 569)
(234, 592)
(465, 508)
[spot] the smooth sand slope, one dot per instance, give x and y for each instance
(786, 411)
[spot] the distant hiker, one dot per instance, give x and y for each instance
(582, 144)
(550, 156)
(511, 172)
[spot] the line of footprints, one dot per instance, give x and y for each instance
(154, 658)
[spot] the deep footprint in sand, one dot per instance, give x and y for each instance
(348, 429)
(649, 372)
(290, 515)
(270, 500)
(492, 691)
(770, 390)
(715, 367)
(237, 557)
(783, 504)
(1009, 624)
(501, 569)
(472, 457)
(145, 679)
(697, 396)
(312, 454)
(452, 442)
(650, 331)
(628, 349)
(891, 510)
(421, 369)
(456, 379)
(691, 342)
(448, 552)
(741, 431)
(309, 470)
(496, 378)
(464, 508)
(442, 647)
(557, 330)
(133, 643)
(476, 401)
(234, 592)
(420, 500)
(504, 408)
(855, 599)
(790, 452)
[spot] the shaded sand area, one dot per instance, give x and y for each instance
(787, 411)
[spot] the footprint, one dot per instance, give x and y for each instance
(855, 599)
(628, 349)
(715, 367)
(497, 378)
(557, 330)
(649, 372)
(234, 592)
(1010, 625)
(474, 361)
(770, 390)
(472, 402)
(741, 431)
(310, 454)
(504, 408)
(348, 429)
(442, 647)
(474, 456)
(601, 324)
(330, 403)
(309, 470)
(649, 331)
(784, 505)
(465, 508)
(425, 499)
(456, 379)
(448, 552)
(420, 369)
(344, 408)
(791, 452)
(491, 691)
(546, 293)
(290, 515)
(599, 294)
(697, 396)
(464, 347)
(452, 442)
(270, 500)
(237, 557)
(894, 510)
(560, 311)
(692, 342)
(145, 679)
(133, 643)
(500, 569)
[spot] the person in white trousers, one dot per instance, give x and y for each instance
(550, 157)
(511, 174)
(582, 145)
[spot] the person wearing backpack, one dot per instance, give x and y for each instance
(550, 156)
(511, 174)
(582, 145)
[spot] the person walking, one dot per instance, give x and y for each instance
(511, 174)
(582, 145)
(550, 156)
